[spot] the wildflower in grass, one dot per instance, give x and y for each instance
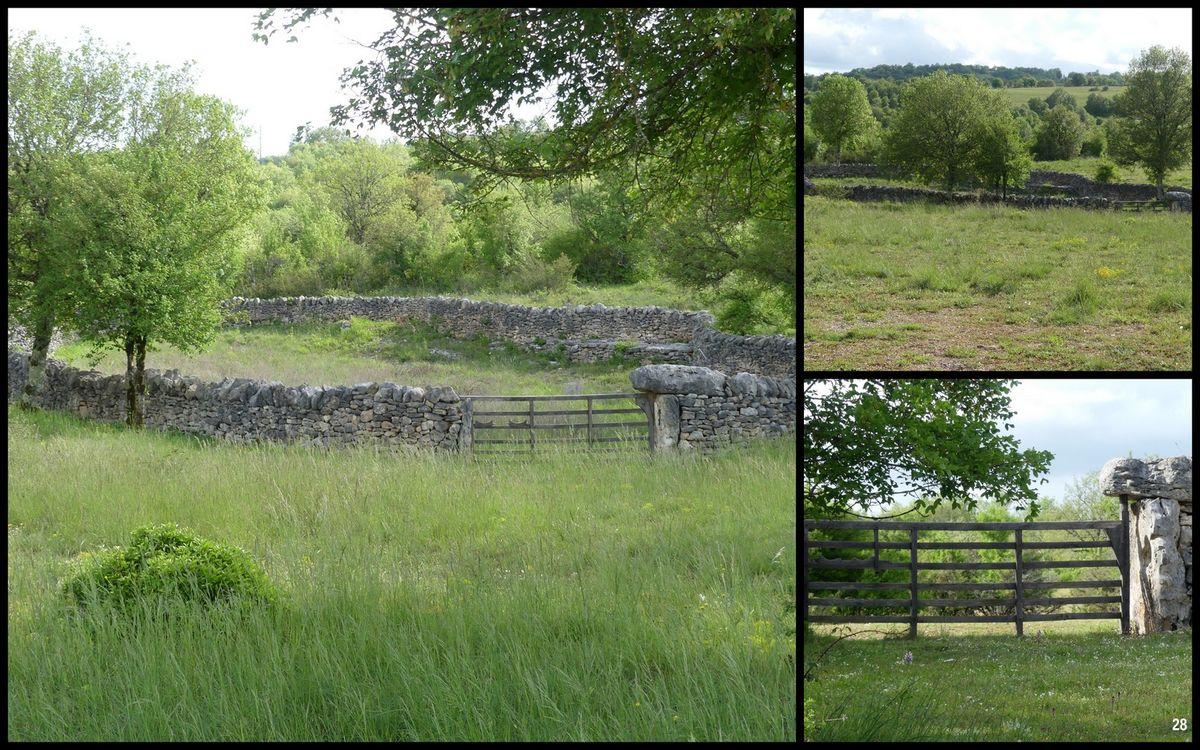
(907, 658)
(1105, 272)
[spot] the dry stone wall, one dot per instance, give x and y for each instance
(907, 194)
(1160, 538)
(585, 333)
(1082, 185)
(697, 408)
(244, 410)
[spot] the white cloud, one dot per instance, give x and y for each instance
(1070, 39)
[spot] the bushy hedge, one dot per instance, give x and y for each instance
(165, 561)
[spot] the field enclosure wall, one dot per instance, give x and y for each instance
(1078, 183)
(244, 410)
(691, 407)
(1160, 538)
(586, 333)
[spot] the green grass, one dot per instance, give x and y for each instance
(381, 351)
(562, 598)
(890, 285)
(1081, 682)
(1017, 97)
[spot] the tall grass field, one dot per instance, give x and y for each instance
(922, 286)
(564, 597)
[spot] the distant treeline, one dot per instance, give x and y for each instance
(996, 77)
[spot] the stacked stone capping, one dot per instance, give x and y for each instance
(1160, 538)
(700, 409)
(586, 333)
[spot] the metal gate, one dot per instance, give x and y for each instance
(538, 423)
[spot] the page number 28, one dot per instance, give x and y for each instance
(1179, 725)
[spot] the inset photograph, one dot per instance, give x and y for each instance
(979, 195)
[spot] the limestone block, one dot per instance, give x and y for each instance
(678, 379)
(1158, 598)
(1164, 477)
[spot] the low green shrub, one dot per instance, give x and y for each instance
(165, 561)
(1106, 173)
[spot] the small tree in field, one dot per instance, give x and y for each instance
(1153, 126)
(934, 133)
(1060, 134)
(840, 112)
(1001, 156)
(60, 105)
(157, 224)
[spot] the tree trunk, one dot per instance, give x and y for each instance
(140, 381)
(1159, 185)
(132, 409)
(35, 381)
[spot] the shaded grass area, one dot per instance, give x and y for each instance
(1081, 682)
(328, 354)
(564, 597)
(909, 285)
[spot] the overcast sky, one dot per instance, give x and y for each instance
(1084, 423)
(279, 85)
(1074, 40)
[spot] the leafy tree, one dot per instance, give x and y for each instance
(1153, 127)
(60, 105)
(159, 223)
(606, 240)
(811, 141)
(1060, 96)
(1028, 82)
(1001, 156)
(675, 91)
(869, 442)
(997, 83)
(1093, 143)
(840, 113)
(1038, 105)
(933, 133)
(1045, 82)
(1099, 106)
(363, 181)
(1060, 135)
(1076, 79)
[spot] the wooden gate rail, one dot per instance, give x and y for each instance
(593, 431)
(1117, 532)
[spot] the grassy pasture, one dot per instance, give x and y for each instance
(565, 597)
(327, 354)
(1017, 97)
(921, 286)
(1081, 681)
